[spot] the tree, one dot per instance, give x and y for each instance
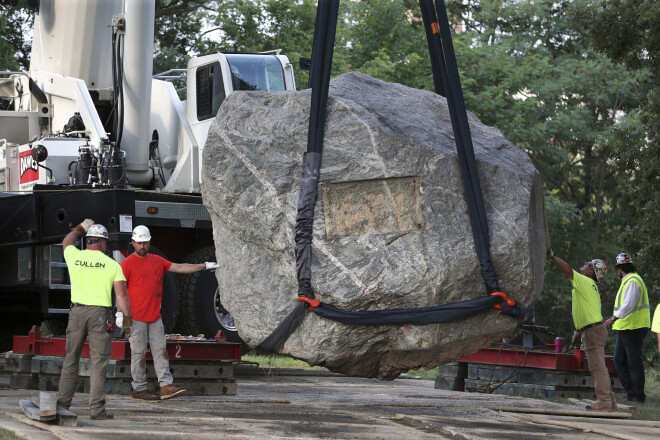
(528, 70)
(16, 18)
(256, 26)
(628, 31)
(384, 39)
(177, 28)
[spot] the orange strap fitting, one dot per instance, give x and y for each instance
(312, 302)
(435, 28)
(510, 301)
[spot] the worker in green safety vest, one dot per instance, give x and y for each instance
(588, 320)
(632, 319)
(655, 326)
(93, 276)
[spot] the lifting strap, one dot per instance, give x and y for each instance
(447, 83)
(445, 70)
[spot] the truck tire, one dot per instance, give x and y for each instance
(169, 307)
(201, 310)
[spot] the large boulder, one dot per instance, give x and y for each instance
(391, 226)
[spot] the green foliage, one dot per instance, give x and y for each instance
(175, 38)
(6, 434)
(527, 70)
(255, 26)
(575, 84)
(628, 31)
(277, 361)
(381, 39)
(651, 408)
(16, 19)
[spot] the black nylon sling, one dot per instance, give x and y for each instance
(446, 82)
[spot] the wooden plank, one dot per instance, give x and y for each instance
(18, 363)
(32, 411)
(512, 409)
(561, 412)
(52, 365)
(65, 417)
(46, 402)
(26, 381)
(591, 402)
(577, 426)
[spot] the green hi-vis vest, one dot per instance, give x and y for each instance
(641, 314)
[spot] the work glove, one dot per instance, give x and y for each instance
(126, 325)
(119, 319)
(83, 227)
(210, 265)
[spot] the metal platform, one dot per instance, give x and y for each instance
(203, 367)
(575, 360)
(192, 350)
(524, 372)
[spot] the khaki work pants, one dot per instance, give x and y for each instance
(594, 340)
(152, 333)
(86, 322)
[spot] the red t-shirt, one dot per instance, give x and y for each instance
(144, 283)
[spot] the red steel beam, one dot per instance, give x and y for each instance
(534, 359)
(35, 344)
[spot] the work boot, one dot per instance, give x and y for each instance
(169, 391)
(614, 406)
(102, 416)
(144, 396)
(600, 406)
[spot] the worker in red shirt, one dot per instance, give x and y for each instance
(144, 274)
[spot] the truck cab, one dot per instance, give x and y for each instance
(212, 77)
(90, 132)
(209, 80)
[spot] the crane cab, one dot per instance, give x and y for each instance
(211, 78)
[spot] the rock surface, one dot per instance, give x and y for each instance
(391, 227)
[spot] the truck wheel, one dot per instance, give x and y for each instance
(53, 326)
(169, 307)
(201, 309)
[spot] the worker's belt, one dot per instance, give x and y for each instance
(85, 305)
(580, 330)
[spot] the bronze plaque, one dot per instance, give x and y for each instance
(377, 206)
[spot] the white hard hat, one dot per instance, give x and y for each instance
(623, 258)
(599, 267)
(97, 230)
(141, 234)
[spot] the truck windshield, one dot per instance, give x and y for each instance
(256, 72)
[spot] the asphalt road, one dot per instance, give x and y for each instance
(274, 406)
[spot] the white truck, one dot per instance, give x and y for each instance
(89, 132)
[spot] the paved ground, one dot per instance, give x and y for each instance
(270, 406)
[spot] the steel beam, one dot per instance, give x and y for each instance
(211, 350)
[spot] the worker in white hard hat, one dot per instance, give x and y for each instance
(631, 319)
(588, 321)
(93, 275)
(144, 280)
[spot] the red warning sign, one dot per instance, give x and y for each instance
(29, 167)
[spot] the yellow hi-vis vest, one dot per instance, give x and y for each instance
(641, 314)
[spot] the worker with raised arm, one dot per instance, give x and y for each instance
(93, 275)
(588, 321)
(631, 319)
(144, 279)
